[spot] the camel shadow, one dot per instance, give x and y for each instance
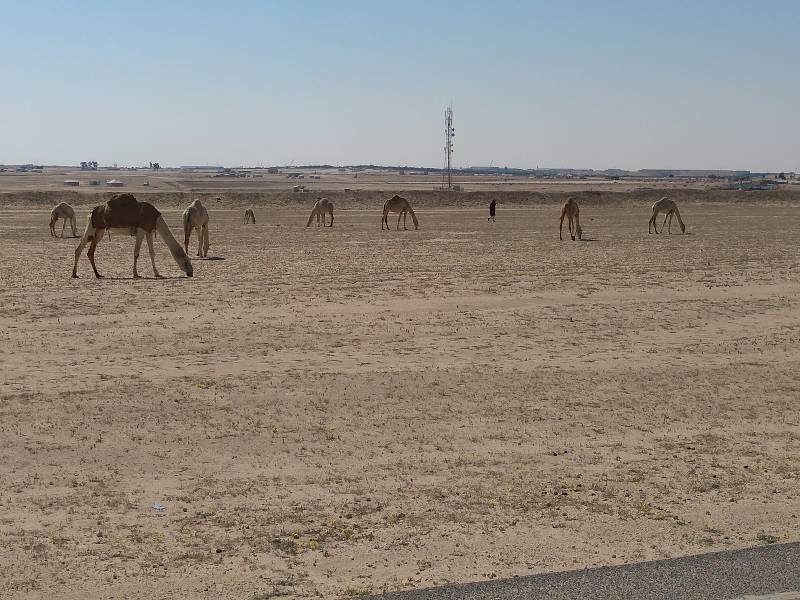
(143, 279)
(209, 258)
(588, 240)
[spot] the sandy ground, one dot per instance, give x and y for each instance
(339, 411)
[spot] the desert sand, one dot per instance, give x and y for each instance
(331, 412)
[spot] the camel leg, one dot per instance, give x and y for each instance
(666, 216)
(87, 235)
(200, 231)
(136, 247)
(187, 237)
(385, 219)
(331, 219)
(152, 251)
(560, 226)
(63, 226)
(400, 214)
(653, 222)
(572, 228)
(578, 230)
(206, 243)
(98, 235)
(74, 225)
(669, 227)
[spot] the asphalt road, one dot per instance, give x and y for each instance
(769, 571)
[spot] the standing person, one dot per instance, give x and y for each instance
(492, 210)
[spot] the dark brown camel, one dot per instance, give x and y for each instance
(125, 214)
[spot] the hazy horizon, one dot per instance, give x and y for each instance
(102, 166)
(708, 86)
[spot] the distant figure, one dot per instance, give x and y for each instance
(401, 206)
(321, 207)
(196, 217)
(63, 211)
(492, 210)
(249, 216)
(665, 205)
(573, 214)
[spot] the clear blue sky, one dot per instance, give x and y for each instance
(573, 84)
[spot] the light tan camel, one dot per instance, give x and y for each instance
(125, 214)
(64, 212)
(665, 205)
(196, 217)
(249, 216)
(402, 207)
(573, 214)
(321, 207)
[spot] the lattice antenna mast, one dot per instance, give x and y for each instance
(449, 134)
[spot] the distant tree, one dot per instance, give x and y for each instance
(782, 176)
(83, 165)
(155, 166)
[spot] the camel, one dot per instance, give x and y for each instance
(321, 207)
(668, 206)
(125, 214)
(64, 212)
(401, 206)
(572, 212)
(249, 216)
(196, 217)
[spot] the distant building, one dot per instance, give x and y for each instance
(114, 183)
(72, 182)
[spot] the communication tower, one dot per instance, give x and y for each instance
(449, 134)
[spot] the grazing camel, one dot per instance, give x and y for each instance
(64, 212)
(249, 216)
(668, 206)
(321, 207)
(573, 213)
(125, 214)
(196, 217)
(401, 206)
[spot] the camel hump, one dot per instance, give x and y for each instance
(123, 211)
(123, 203)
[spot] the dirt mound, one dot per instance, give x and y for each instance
(419, 198)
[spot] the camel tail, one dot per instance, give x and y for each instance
(177, 251)
(311, 217)
(413, 217)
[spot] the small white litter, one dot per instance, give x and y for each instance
(158, 506)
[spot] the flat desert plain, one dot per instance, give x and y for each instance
(333, 412)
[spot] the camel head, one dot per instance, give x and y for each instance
(683, 228)
(185, 264)
(579, 232)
